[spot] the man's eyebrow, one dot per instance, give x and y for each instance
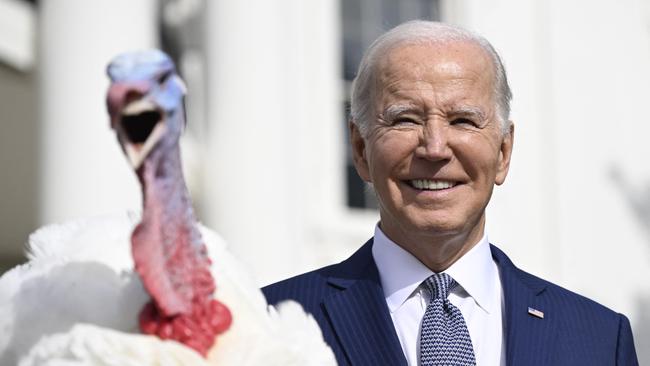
(395, 110)
(468, 111)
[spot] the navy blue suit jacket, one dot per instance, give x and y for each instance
(348, 302)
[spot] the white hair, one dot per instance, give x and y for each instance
(421, 32)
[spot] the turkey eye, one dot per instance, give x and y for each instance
(162, 78)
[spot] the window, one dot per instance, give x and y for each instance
(363, 21)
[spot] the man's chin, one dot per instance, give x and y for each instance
(428, 230)
(434, 227)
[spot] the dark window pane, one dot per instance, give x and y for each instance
(430, 8)
(390, 14)
(355, 186)
(351, 58)
(351, 10)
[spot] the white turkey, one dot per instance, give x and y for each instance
(155, 289)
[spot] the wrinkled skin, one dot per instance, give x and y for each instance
(437, 120)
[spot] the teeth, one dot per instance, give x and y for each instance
(138, 107)
(431, 184)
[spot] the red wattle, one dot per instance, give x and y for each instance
(197, 330)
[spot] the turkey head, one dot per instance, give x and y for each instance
(145, 104)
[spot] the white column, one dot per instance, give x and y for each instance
(273, 114)
(83, 171)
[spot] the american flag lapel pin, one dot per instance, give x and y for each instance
(535, 312)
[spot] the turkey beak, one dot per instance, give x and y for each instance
(141, 127)
(138, 121)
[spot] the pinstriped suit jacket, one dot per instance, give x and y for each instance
(348, 302)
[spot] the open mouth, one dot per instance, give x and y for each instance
(431, 184)
(142, 125)
(138, 127)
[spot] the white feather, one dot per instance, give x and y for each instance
(87, 344)
(77, 300)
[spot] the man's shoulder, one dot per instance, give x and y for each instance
(580, 330)
(304, 285)
(549, 294)
(311, 287)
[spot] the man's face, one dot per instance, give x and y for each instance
(435, 149)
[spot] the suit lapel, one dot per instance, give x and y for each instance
(359, 314)
(530, 340)
(362, 323)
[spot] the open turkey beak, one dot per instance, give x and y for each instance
(142, 125)
(139, 122)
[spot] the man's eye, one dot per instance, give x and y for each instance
(404, 121)
(463, 121)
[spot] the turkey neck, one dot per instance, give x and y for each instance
(166, 200)
(167, 248)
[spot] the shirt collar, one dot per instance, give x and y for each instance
(401, 273)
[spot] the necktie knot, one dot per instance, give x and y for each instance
(439, 285)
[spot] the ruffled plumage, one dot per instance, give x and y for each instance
(77, 300)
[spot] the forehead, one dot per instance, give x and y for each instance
(437, 66)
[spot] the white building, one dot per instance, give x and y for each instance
(266, 146)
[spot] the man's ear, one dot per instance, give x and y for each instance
(505, 153)
(359, 157)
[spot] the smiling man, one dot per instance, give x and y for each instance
(430, 132)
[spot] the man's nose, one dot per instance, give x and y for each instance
(434, 142)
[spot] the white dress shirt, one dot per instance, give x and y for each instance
(478, 296)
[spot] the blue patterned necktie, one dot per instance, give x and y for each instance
(444, 338)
